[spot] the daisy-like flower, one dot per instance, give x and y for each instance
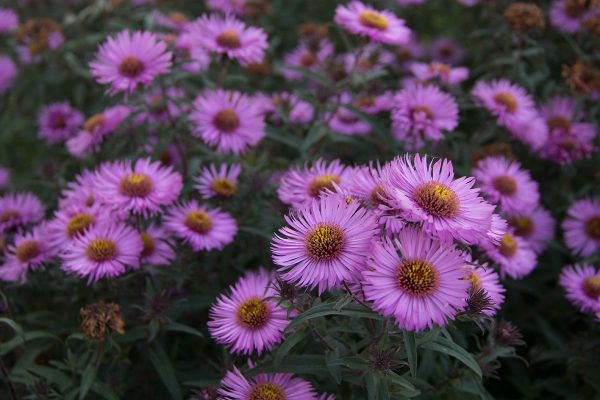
(422, 113)
(8, 72)
(325, 243)
(200, 227)
(142, 188)
(129, 60)
(568, 15)
(96, 129)
(567, 146)
(514, 255)
(536, 226)
(440, 71)
(297, 110)
(105, 250)
(20, 209)
(230, 121)
(422, 286)
(157, 248)
(72, 222)
(532, 131)
(80, 192)
(446, 51)
(300, 186)
(8, 20)
(372, 58)
(245, 319)
(378, 26)
(345, 121)
(427, 192)
(194, 58)
(230, 37)
(504, 182)
(582, 227)
(161, 106)
(509, 103)
(582, 284)
(221, 182)
(175, 20)
(236, 386)
(28, 252)
(58, 122)
(484, 277)
(311, 56)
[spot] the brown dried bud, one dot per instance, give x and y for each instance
(524, 16)
(592, 24)
(256, 8)
(99, 319)
(492, 149)
(508, 334)
(582, 77)
(313, 30)
(260, 69)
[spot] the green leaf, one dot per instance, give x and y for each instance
(410, 345)
(288, 344)
(165, 370)
(309, 364)
(445, 346)
(351, 310)
(87, 379)
(17, 341)
(176, 327)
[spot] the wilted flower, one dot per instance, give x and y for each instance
(100, 319)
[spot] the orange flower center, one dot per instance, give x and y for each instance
(321, 183)
(100, 250)
(417, 277)
(253, 313)
(226, 120)
(437, 199)
(131, 67)
(229, 40)
(198, 221)
(136, 185)
(373, 20)
(266, 391)
(79, 223)
(223, 187)
(507, 100)
(508, 245)
(27, 250)
(324, 242)
(505, 185)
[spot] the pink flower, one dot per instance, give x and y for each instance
(58, 122)
(536, 226)
(582, 284)
(440, 71)
(8, 72)
(514, 255)
(20, 209)
(582, 227)
(221, 183)
(158, 249)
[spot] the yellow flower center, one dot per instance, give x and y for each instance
(377, 196)
(136, 185)
(131, 67)
(507, 100)
(505, 185)
(508, 245)
(266, 391)
(253, 313)
(100, 250)
(79, 223)
(322, 182)
(178, 17)
(229, 39)
(558, 122)
(592, 227)
(523, 226)
(27, 250)
(8, 215)
(324, 242)
(475, 281)
(373, 20)
(308, 60)
(416, 277)
(591, 287)
(198, 221)
(226, 120)
(437, 199)
(93, 122)
(224, 187)
(422, 109)
(439, 68)
(149, 245)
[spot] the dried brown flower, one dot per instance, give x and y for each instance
(524, 16)
(582, 77)
(35, 33)
(313, 30)
(260, 69)
(256, 8)
(100, 318)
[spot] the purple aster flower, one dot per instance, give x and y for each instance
(378, 26)
(236, 386)
(37, 36)
(28, 252)
(582, 284)
(96, 129)
(514, 255)
(537, 226)
(372, 58)
(81, 192)
(325, 243)
(416, 279)
(175, 20)
(484, 277)
(508, 102)
(58, 122)
(200, 227)
(8, 72)
(440, 71)
(105, 250)
(221, 182)
(129, 60)
(4, 177)
(246, 319)
(8, 20)
(427, 192)
(532, 132)
(505, 183)
(300, 186)
(297, 110)
(567, 16)
(142, 188)
(308, 56)
(161, 106)
(446, 51)
(73, 221)
(188, 51)
(345, 121)
(230, 121)
(158, 249)
(406, 54)
(582, 227)
(422, 113)
(231, 38)
(20, 209)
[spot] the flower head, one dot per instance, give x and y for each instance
(416, 279)
(582, 227)
(246, 319)
(484, 277)
(58, 122)
(8, 20)
(158, 249)
(19, 209)
(514, 255)
(8, 72)
(325, 243)
(221, 182)
(536, 226)
(130, 60)
(582, 284)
